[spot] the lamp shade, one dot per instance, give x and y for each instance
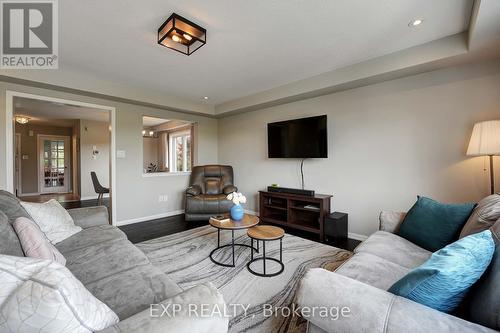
(485, 139)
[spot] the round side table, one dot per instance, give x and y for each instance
(248, 221)
(266, 233)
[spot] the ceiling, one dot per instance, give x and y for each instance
(258, 52)
(58, 114)
(251, 46)
(153, 121)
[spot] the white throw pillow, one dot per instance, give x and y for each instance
(54, 221)
(43, 296)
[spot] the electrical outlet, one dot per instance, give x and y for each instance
(163, 198)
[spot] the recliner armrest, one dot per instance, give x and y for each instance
(193, 313)
(370, 309)
(229, 189)
(193, 190)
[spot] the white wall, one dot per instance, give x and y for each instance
(387, 143)
(94, 133)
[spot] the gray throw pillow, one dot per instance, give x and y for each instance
(485, 214)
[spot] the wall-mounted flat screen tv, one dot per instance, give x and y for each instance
(298, 138)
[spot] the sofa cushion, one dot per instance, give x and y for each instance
(443, 281)
(34, 242)
(11, 206)
(133, 290)
(116, 272)
(98, 261)
(485, 302)
(372, 270)
(394, 249)
(90, 236)
(43, 296)
(433, 225)
(486, 213)
(9, 242)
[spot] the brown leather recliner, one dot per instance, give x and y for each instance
(206, 195)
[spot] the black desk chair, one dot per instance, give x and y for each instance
(98, 188)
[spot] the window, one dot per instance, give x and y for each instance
(167, 145)
(180, 151)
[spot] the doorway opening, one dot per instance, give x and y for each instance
(57, 145)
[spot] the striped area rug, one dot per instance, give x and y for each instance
(184, 258)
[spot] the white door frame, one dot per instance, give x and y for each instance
(18, 185)
(9, 133)
(40, 162)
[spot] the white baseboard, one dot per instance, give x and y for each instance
(149, 218)
(359, 237)
(106, 195)
(27, 194)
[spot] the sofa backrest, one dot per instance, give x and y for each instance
(10, 210)
(11, 206)
(484, 306)
(9, 242)
(212, 178)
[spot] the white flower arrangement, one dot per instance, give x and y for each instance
(237, 198)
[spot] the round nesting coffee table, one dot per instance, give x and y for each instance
(266, 233)
(248, 221)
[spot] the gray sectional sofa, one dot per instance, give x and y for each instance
(118, 273)
(361, 283)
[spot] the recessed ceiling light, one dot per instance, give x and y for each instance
(415, 22)
(206, 98)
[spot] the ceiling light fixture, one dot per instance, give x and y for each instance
(415, 23)
(205, 98)
(22, 120)
(182, 35)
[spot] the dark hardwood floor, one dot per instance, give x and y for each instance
(143, 231)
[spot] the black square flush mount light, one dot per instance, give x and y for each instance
(181, 35)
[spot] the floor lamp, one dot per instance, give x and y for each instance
(485, 141)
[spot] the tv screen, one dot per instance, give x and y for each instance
(298, 138)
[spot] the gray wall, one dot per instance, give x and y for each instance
(94, 133)
(137, 196)
(387, 143)
(150, 151)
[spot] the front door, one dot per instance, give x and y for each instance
(54, 168)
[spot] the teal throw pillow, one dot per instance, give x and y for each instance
(433, 225)
(444, 279)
